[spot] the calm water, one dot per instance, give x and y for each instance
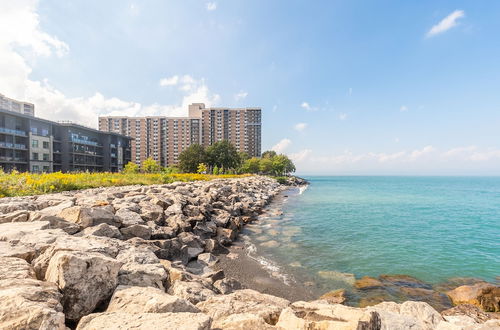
(432, 228)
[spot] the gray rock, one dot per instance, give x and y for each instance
(103, 230)
(129, 218)
(141, 231)
(144, 275)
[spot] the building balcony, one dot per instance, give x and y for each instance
(5, 159)
(12, 131)
(86, 142)
(9, 145)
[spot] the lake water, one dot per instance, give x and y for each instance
(431, 228)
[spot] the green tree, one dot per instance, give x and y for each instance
(282, 165)
(223, 155)
(216, 170)
(191, 157)
(251, 165)
(150, 166)
(269, 154)
(131, 168)
(202, 168)
(266, 166)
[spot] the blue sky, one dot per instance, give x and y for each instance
(346, 87)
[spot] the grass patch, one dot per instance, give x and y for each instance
(25, 184)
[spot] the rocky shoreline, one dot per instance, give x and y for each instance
(146, 257)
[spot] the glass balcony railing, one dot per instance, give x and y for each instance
(12, 145)
(87, 142)
(12, 131)
(12, 159)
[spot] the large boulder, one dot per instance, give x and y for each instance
(12, 268)
(16, 216)
(13, 231)
(267, 307)
(133, 299)
(409, 315)
(30, 304)
(318, 316)
(86, 279)
(103, 230)
(89, 216)
(128, 217)
(245, 321)
(141, 231)
(145, 321)
(484, 295)
(144, 275)
(193, 291)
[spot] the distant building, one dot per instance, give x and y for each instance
(9, 104)
(33, 144)
(164, 138)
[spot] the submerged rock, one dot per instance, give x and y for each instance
(335, 296)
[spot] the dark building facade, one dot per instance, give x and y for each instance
(33, 144)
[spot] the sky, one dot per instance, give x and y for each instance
(346, 86)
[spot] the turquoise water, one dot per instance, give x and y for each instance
(432, 228)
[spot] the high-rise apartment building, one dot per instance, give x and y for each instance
(164, 138)
(9, 104)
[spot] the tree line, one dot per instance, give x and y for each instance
(220, 158)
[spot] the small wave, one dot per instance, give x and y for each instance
(272, 268)
(302, 189)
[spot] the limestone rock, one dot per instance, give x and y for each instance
(129, 218)
(469, 310)
(483, 294)
(147, 300)
(145, 321)
(103, 230)
(16, 216)
(194, 292)
(30, 304)
(244, 301)
(13, 231)
(89, 216)
(55, 222)
(84, 278)
(12, 268)
(245, 321)
(141, 231)
(227, 285)
(317, 316)
(144, 275)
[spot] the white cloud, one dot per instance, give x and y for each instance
(22, 41)
(211, 6)
(307, 106)
(447, 23)
(282, 145)
(171, 81)
(300, 127)
(343, 116)
(416, 154)
(300, 156)
(240, 95)
(403, 108)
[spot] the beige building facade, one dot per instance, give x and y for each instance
(164, 138)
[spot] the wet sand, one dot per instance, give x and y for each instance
(252, 275)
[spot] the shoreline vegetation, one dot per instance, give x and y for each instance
(150, 257)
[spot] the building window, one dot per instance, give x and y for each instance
(46, 157)
(35, 168)
(35, 156)
(34, 143)
(46, 169)
(45, 145)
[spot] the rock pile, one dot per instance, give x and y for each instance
(142, 258)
